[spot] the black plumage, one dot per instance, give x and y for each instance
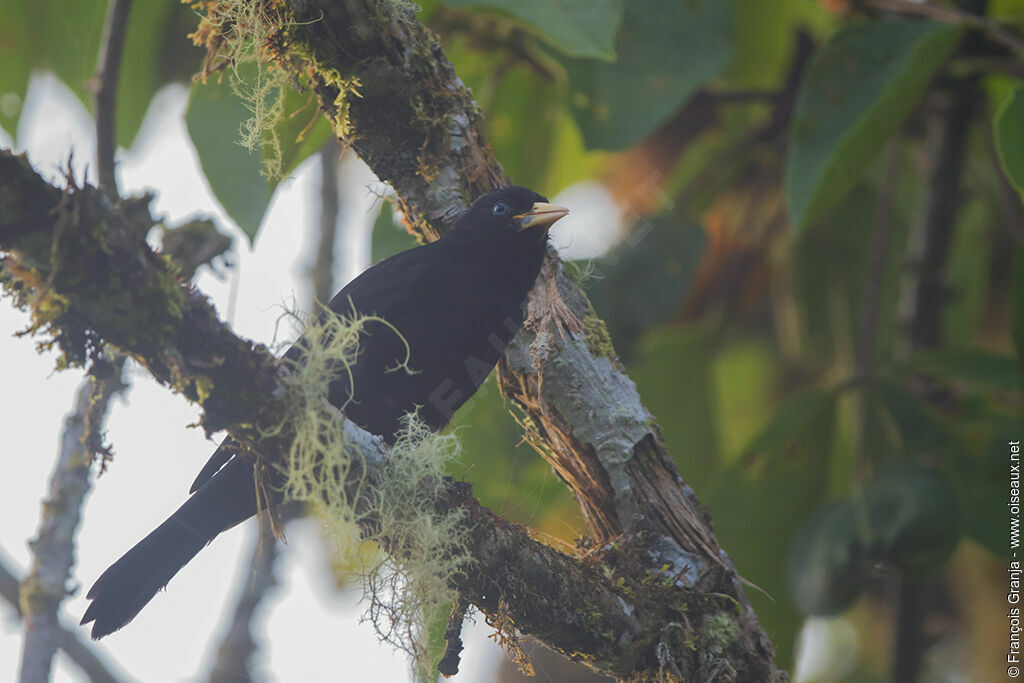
(457, 302)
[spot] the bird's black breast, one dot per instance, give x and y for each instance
(455, 310)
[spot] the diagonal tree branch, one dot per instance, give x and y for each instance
(416, 125)
(418, 128)
(82, 294)
(45, 587)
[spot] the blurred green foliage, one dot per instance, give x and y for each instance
(761, 294)
(244, 182)
(665, 51)
(577, 28)
(64, 38)
(858, 89)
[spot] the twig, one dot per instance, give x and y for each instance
(951, 15)
(488, 33)
(235, 654)
(922, 301)
(45, 587)
(923, 294)
(84, 656)
(874, 274)
(108, 71)
(449, 664)
(322, 272)
(771, 129)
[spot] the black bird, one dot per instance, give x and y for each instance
(457, 302)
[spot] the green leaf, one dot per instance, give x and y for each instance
(431, 639)
(746, 377)
(213, 118)
(824, 561)
(70, 33)
(912, 517)
(967, 271)
(523, 96)
(15, 62)
(577, 28)
(666, 50)
(984, 370)
(303, 131)
(507, 475)
(967, 440)
(388, 238)
(858, 89)
(764, 38)
(762, 500)
(645, 280)
(140, 76)
(1008, 123)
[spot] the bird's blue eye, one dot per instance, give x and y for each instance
(500, 209)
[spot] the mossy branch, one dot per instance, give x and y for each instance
(417, 126)
(72, 246)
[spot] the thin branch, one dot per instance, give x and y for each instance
(322, 272)
(951, 15)
(874, 277)
(449, 664)
(923, 300)
(771, 130)
(108, 72)
(45, 588)
(238, 646)
(54, 546)
(924, 293)
(80, 652)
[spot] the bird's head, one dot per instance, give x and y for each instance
(510, 210)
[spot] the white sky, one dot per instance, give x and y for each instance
(309, 632)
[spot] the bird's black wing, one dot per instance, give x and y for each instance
(422, 293)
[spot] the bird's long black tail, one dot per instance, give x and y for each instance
(224, 501)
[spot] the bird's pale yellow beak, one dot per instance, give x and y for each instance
(541, 214)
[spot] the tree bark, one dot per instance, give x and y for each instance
(655, 595)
